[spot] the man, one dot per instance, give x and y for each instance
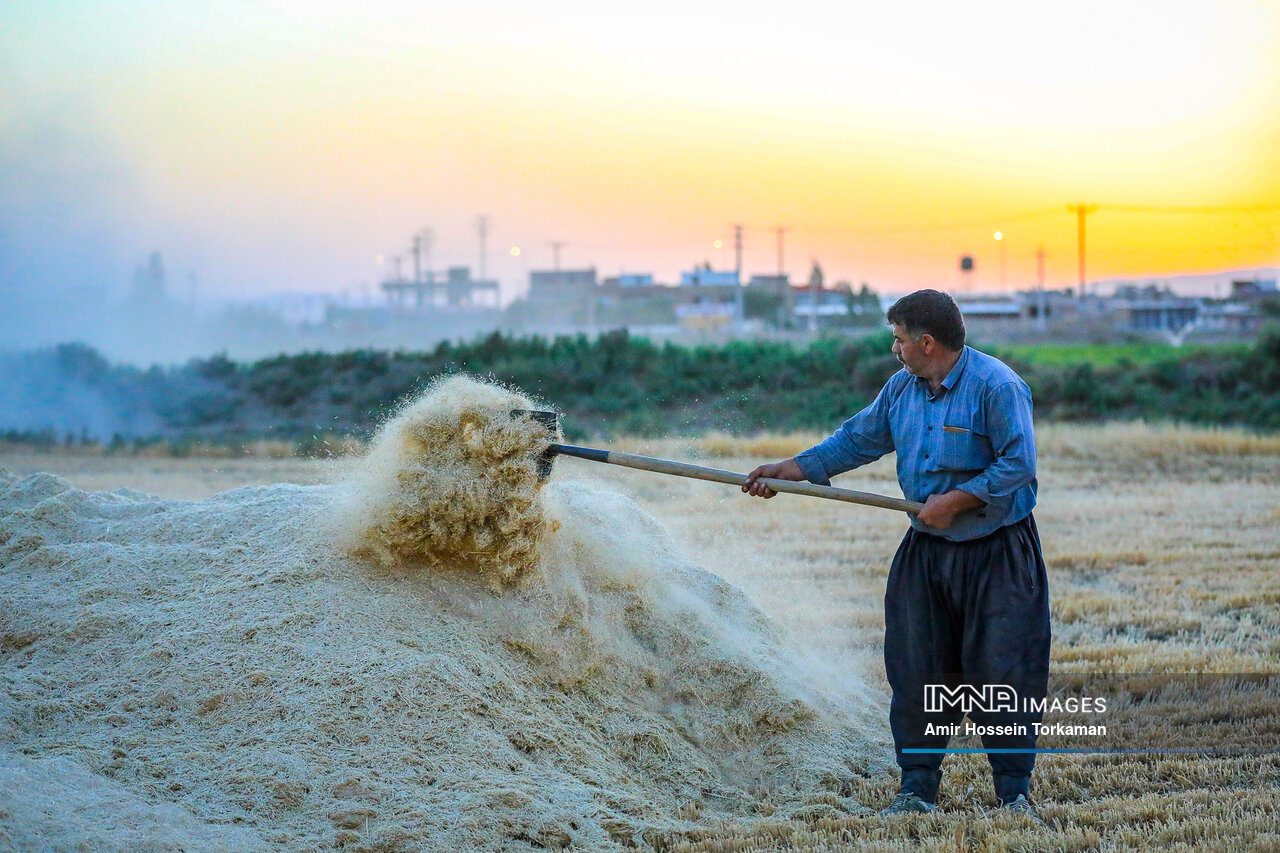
(966, 600)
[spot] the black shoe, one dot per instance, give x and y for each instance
(908, 803)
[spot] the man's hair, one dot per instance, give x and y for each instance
(930, 312)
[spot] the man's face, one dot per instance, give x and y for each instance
(909, 353)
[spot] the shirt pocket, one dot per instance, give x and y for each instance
(965, 447)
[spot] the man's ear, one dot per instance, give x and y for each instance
(928, 343)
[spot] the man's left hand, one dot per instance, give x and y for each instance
(941, 510)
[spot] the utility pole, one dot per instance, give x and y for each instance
(1040, 307)
(422, 255)
(999, 235)
(815, 285)
(428, 240)
(1081, 210)
(739, 307)
(556, 246)
(783, 287)
(484, 233)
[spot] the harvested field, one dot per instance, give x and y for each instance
(690, 670)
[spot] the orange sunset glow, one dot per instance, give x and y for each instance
(284, 146)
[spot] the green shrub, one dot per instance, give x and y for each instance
(619, 384)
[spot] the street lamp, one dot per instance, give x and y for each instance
(999, 235)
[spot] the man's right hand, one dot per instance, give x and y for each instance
(787, 469)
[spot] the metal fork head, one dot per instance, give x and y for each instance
(551, 422)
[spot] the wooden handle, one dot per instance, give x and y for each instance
(717, 475)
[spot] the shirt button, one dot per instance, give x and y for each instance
(930, 429)
(926, 456)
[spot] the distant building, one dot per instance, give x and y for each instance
(778, 288)
(817, 306)
(1057, 305)
(463, 291)
(635, 300)
(708, 304)
(148, 280)
(1254, 289)
(1154, 308)
(706, 314)
(629, 280)
(457, 290)
(1166, 316)
(700, 306)
(779, 283)
(554, 283)
(561, 287)
(704, 277)
(824, 303)
(1230, 317)
(562, 296)
(990, 308)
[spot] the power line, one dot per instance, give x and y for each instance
(937, 226)
(1053, 211)
(1151, 208)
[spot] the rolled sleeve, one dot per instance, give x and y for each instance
(1012, 435)
(861, 439)
(812, 468)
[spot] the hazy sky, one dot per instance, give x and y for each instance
(283, 146)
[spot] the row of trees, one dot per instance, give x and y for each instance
(614, 384)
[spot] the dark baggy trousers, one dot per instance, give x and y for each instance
(973, 613)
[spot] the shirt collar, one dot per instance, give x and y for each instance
(952, 378)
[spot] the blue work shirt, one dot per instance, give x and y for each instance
(975, 434)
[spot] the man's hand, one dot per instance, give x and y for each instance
(940, 510)
(787, 469)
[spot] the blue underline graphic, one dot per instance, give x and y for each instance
(1088, 750)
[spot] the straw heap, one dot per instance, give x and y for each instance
(451, 483)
